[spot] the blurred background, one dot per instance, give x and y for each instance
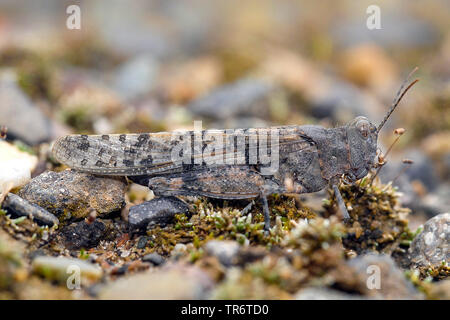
(145, 66)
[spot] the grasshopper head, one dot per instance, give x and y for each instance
(362, 140)
(362, 137)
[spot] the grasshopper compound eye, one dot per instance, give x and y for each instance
(363, 126)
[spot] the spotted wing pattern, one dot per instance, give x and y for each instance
(152, 153)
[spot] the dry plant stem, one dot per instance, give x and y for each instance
(391, 146)
(384, 161)
(408, 164)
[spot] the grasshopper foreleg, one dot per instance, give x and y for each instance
(341, 203)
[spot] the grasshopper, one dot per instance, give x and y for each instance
(309, 158)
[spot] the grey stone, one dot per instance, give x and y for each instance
(244, 97)
(431, 246)
(23, 119)
(18, 206)
(373, 269)
(136, 76)
(437, 201)
(423, 171)
(225, 251)
(154, 258)
(70, 193)
(156, 211)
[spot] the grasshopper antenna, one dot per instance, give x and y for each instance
(398, 98)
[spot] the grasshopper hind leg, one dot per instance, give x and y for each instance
(248, 207)
(266, 212)
(231, 183)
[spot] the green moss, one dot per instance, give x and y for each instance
(439, 272)
(408, 236)
(378, 222)
(36, 75)
(18, 220)
(79, 117)
(83, 254)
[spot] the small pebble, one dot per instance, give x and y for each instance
(154, 258)
(225, 251)
(179, 249)
(20, 115)
(157, 211)
(83, 235)
(17, 206)
(58, 268)
(142, 242)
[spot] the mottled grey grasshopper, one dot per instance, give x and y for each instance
(309, 158)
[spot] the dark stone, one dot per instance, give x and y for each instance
(18, 207)
(120, 270)
(154, 258)
(142, 242)
(83, 235)
(157, 211)
(422, 169)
